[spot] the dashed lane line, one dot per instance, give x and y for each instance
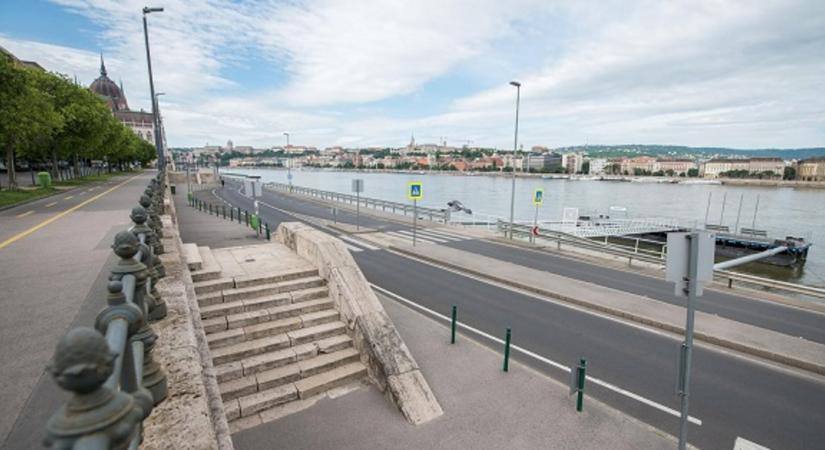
(51, 204)
(20, 216)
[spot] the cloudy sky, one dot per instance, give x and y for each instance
(747, 74)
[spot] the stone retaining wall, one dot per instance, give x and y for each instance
(390, 364)
(192, 415)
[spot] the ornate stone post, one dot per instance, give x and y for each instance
(126, 247)
(96, 416)
(154, 219)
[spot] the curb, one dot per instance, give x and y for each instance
(743, 348)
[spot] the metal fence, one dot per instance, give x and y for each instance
(109, 369)
(433, 214)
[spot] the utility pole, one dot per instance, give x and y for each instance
(515, 148)
(158, 142)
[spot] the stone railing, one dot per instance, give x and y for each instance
(110, 369)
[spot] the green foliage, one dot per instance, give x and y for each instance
(693, 173)
(789, 173)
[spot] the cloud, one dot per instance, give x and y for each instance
(706, 72)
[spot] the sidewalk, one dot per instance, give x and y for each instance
(53, 279)
(768, 344)
(199, 227)
(483, 407)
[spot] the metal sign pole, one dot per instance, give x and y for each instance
(535, 224)
(687, 345)
(415, 219)
(358, 210)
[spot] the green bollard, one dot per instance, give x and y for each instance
(260, 224)
(580, 398)
(224, 212)
(452, 327)
(507, 351)
(246, 216)
(268, 234)
(231, 214)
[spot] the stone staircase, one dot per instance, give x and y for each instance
(274, 338)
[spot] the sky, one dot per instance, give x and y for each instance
(360, 73)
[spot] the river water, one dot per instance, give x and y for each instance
(782, 211)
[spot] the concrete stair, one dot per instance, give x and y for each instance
(273, 338)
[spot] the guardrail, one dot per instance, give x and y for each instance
(109, 369)
(657, 258)
(433, 214)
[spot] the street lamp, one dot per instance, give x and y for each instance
(288, 161)
(156, 122)
(515, 146)
(161, 133)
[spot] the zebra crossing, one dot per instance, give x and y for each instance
(428, 236)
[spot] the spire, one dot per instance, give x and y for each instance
(122, 92)
(102, 65)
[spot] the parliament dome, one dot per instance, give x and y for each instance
(106, 88)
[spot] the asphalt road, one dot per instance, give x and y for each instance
(733, 396)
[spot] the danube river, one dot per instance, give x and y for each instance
(782, 211)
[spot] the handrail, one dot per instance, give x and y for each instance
(434, 214)
(110, 369)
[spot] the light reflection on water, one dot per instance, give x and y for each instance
(782, 211)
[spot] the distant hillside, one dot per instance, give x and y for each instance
(679, 150)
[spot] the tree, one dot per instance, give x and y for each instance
(694, 172)
(26, 114)
(789, 173)
(586, 167)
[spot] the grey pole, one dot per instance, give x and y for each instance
(515, 148)
(707, 210)
(358, 210)
(156, 123)
(415, 219)
(687, 345)
(753, 224)
(722, 214)
(288, 162)
(738, 213)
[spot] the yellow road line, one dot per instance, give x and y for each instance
(31, 230)
(51, 204)
(20, 216)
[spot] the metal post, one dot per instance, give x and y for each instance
(452, 327)
(231, 214)
(515, 149)
(415, 219)
(707, 210)
(268, 233)
(535, 225)
(738, 213)
(507, 351)
(687, 345)
(224, 211)
(722, 214)
(155, 121)
(755, 209)
(358, 211)
(580, 385)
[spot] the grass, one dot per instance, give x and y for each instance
(8, 198)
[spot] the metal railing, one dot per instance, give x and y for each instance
(433, 214)
(652, 256)
(110, 369)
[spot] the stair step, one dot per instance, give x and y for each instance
(324, 381)
(260, 401)
(239, 306)
(237, 352)
(214, 285)
(272, 288)
(205, 275)
(319, 318)
(209, 261)
(268, 361)
(256, 280)
(316, 333)
(279, 312)
(289, 373)
(271, 328)
(192, 256)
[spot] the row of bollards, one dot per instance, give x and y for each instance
(243, 216)
(577, 373)
(110, 369)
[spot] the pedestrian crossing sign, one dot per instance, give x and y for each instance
(415, 191)
(538, 197)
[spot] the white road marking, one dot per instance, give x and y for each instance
(353, 248)
(357, 242)
(447, 234)
(420, 235)
(51, 204)
(439, 236)
(744, 444)
(540, 358)
(409, 238)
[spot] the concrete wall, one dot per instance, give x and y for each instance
(390, 364)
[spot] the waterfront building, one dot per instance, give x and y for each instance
(713, 167)
(572, 162)
(542, 162)
(639, 163)
(812, 169)
(598, 166)
(140, 122)
(760, 165)
(677, 166)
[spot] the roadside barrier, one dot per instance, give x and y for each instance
(507, 351)
(452, 325)
(110, 369)
(252, 221)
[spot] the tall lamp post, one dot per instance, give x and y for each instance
(515, 147)
(288, 161)
(158, 142)
(160, 132)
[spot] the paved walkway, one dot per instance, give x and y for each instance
(54, 265)
(199, 227)
(483, 407)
